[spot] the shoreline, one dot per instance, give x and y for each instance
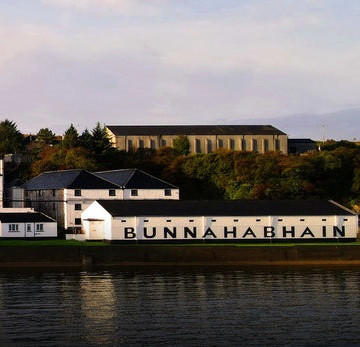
(177, 256)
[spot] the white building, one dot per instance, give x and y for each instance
(218, 221)
(63, 195)
(26, 223)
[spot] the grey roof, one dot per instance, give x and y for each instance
(134, 179)
(126, 130)
(25, 217)
(290, 141)
(72, 179)
(123, 208)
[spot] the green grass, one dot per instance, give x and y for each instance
(100, 243)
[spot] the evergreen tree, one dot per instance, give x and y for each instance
(71, 137)
(45, 137)
(100, 139)
(11, 139)
(85, 139)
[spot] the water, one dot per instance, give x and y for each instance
(181, 307)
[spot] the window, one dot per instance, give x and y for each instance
(323, 220)
(152, 144)
(39, 227)
(112, 192)
(258, 220)
(53, 206)
(266, 145)
(77, 221)
(236, 220)
(77, 207)
(280, 220)
(208, 146)
(53, 192)
(28, 227)
(77, 192)
(134, 192)
(146, 220)
(168, 220)
(13, 227)
(141, 143)
(197, 146)
(123, 221)
(302, 220)
(167, 192)
(163, 143)
(345, 220)
(220, 143)
(255, 146)
(213, 220)
(231, 144)
(243, 145)
(130, 145)
(191, 220)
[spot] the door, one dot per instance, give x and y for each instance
(29, 230)
(96, 230)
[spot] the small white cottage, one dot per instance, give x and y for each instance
(26, 223)
(218, 221)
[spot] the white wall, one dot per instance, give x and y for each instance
(95, 212)
(151, 194)
(49, 230)
(298, 227)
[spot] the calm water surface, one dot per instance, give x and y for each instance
(181, 307)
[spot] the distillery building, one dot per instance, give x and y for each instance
(218, 221)
(202, 138)
(64, 195)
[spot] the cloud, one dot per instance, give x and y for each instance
(122, 7)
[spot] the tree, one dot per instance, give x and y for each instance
(182, 145)
(100, 139)
(71, 137)
(11, 139)
(85, 139)
(45, 137)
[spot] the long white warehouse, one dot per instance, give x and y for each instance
(218, 221)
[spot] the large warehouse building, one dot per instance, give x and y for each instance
(238, 220)
(202, 138)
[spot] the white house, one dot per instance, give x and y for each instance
(63, 195)
(218, 221)
(26, 223)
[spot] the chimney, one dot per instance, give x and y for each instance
(1, 182)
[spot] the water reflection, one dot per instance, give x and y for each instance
(197, 307)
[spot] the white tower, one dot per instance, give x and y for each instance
(1, 182)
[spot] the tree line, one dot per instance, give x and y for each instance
(332, 173)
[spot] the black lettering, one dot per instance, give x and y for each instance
(171, 233)
(249, 232)
(209, 232)
(150, 236)
(307, 231)
(268, 230)
(324, 231)
(129, 233)
(232, 232)
(188, 231)
(291, 232)
(339, 232)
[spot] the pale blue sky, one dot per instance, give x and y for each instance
(176, 61)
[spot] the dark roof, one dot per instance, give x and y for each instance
(72, 179)
(222, 208)
(24, 217)
(290, 141)
(126, 130)
(134, 179)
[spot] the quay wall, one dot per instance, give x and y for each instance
(178, 255)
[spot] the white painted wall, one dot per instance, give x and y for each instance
(319, 227)
(151, 194)
(49, 230)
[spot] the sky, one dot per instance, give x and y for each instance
(176, 61)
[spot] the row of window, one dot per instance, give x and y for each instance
(243, 145)
(15, 227)
(134, 192)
